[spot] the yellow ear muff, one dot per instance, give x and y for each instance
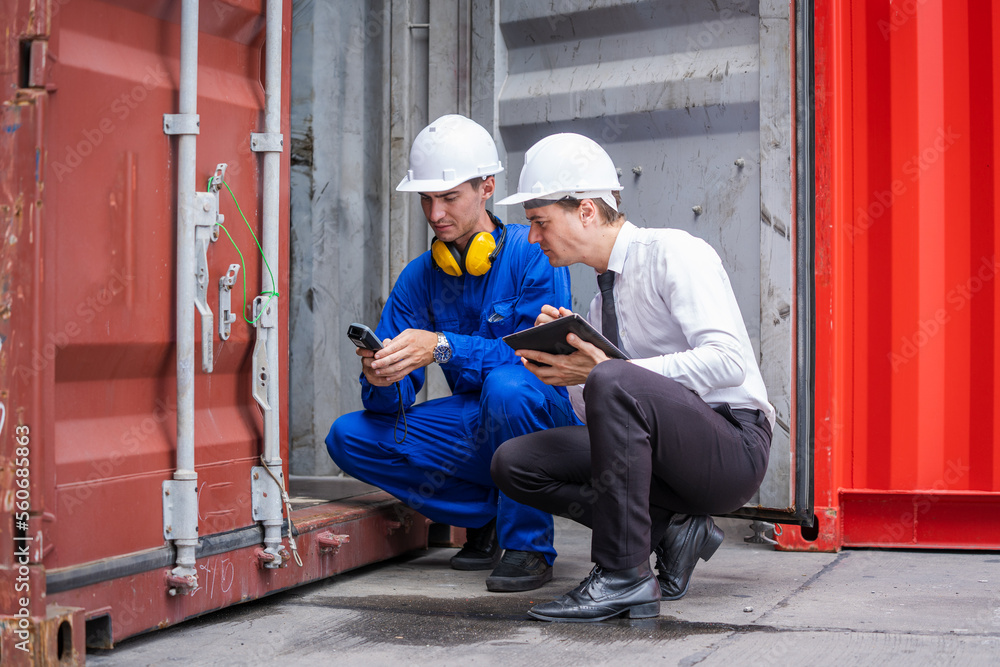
(479, 253)
(447, 258)
(478, 256)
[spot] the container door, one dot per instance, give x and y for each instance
(25, 357)
(107, 371)
(694, 102)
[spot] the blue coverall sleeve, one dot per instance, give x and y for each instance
(404, 309)
(535, 283)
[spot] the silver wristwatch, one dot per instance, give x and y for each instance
(442, 351)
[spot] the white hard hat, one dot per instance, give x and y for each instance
(450, 151)
(566, 164)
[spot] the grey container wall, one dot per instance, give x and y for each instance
(362, 72)
(338, 198)
(692, 100)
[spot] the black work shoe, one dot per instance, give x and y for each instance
(688, 538)
(481, 550)
(519, 571)
(604, 594)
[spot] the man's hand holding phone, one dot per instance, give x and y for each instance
(396, 357)
(367, 344)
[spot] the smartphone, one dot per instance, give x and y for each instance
(363, 337)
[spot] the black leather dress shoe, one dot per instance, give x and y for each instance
(688, 538)
(604, 594)
(519, 571)
(481, 550)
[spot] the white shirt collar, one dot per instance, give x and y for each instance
(617, 260)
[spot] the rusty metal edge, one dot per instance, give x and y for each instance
(381, 526)
(306, 519)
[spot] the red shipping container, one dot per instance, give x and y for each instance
(88, 399)
(907, 393)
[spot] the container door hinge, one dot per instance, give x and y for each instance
(266, 499)
(263, 312)
(215, 187)
(34, 61)
(206, 232)
(180, 526)
(178, 497)
(265, 494)
(181, 123)
(226, 315)
(261, 142)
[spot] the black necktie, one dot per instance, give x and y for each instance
(609, 319)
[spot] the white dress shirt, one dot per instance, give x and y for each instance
(678, 316)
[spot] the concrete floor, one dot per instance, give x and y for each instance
(749, 605)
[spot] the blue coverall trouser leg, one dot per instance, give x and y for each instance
(442, 467)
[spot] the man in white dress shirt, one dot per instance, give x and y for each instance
(679, 432)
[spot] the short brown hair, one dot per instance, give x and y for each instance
(608, 214)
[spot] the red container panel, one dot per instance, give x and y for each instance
(908, 253)
(87, 331)
(111, 202)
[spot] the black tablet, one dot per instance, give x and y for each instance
(551, 337)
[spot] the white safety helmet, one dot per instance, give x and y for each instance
(566, 165)
(450, 151)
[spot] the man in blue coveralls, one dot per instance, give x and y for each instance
(480, 281)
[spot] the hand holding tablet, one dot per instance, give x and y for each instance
(551, 337)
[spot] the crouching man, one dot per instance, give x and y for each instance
(480, 281)
(679, 432)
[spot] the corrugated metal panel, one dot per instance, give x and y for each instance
(693, 102)
(87, 332)
(923, 233)
(911, 374)
(110, 203)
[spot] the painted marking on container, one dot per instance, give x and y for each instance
(224, 573)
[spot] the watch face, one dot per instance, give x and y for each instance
(442, 352)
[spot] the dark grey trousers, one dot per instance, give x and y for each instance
(651, 448)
